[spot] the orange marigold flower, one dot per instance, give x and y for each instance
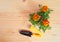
(44, 8)
(45, 22)
(36, 17)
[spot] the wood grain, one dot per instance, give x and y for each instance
(14, 16)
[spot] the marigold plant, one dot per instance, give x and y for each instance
(41, 17)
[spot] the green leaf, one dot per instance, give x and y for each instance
(48, 27)
(34, 22)
(50, 10)
(45, 15)
(44, 28)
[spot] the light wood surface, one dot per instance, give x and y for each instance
(14, 16)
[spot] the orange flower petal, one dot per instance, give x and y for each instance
(45, 22)
(36, 17)
(44, 8)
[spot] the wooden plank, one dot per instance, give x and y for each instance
(14, 16)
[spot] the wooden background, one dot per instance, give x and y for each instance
(14, 16)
